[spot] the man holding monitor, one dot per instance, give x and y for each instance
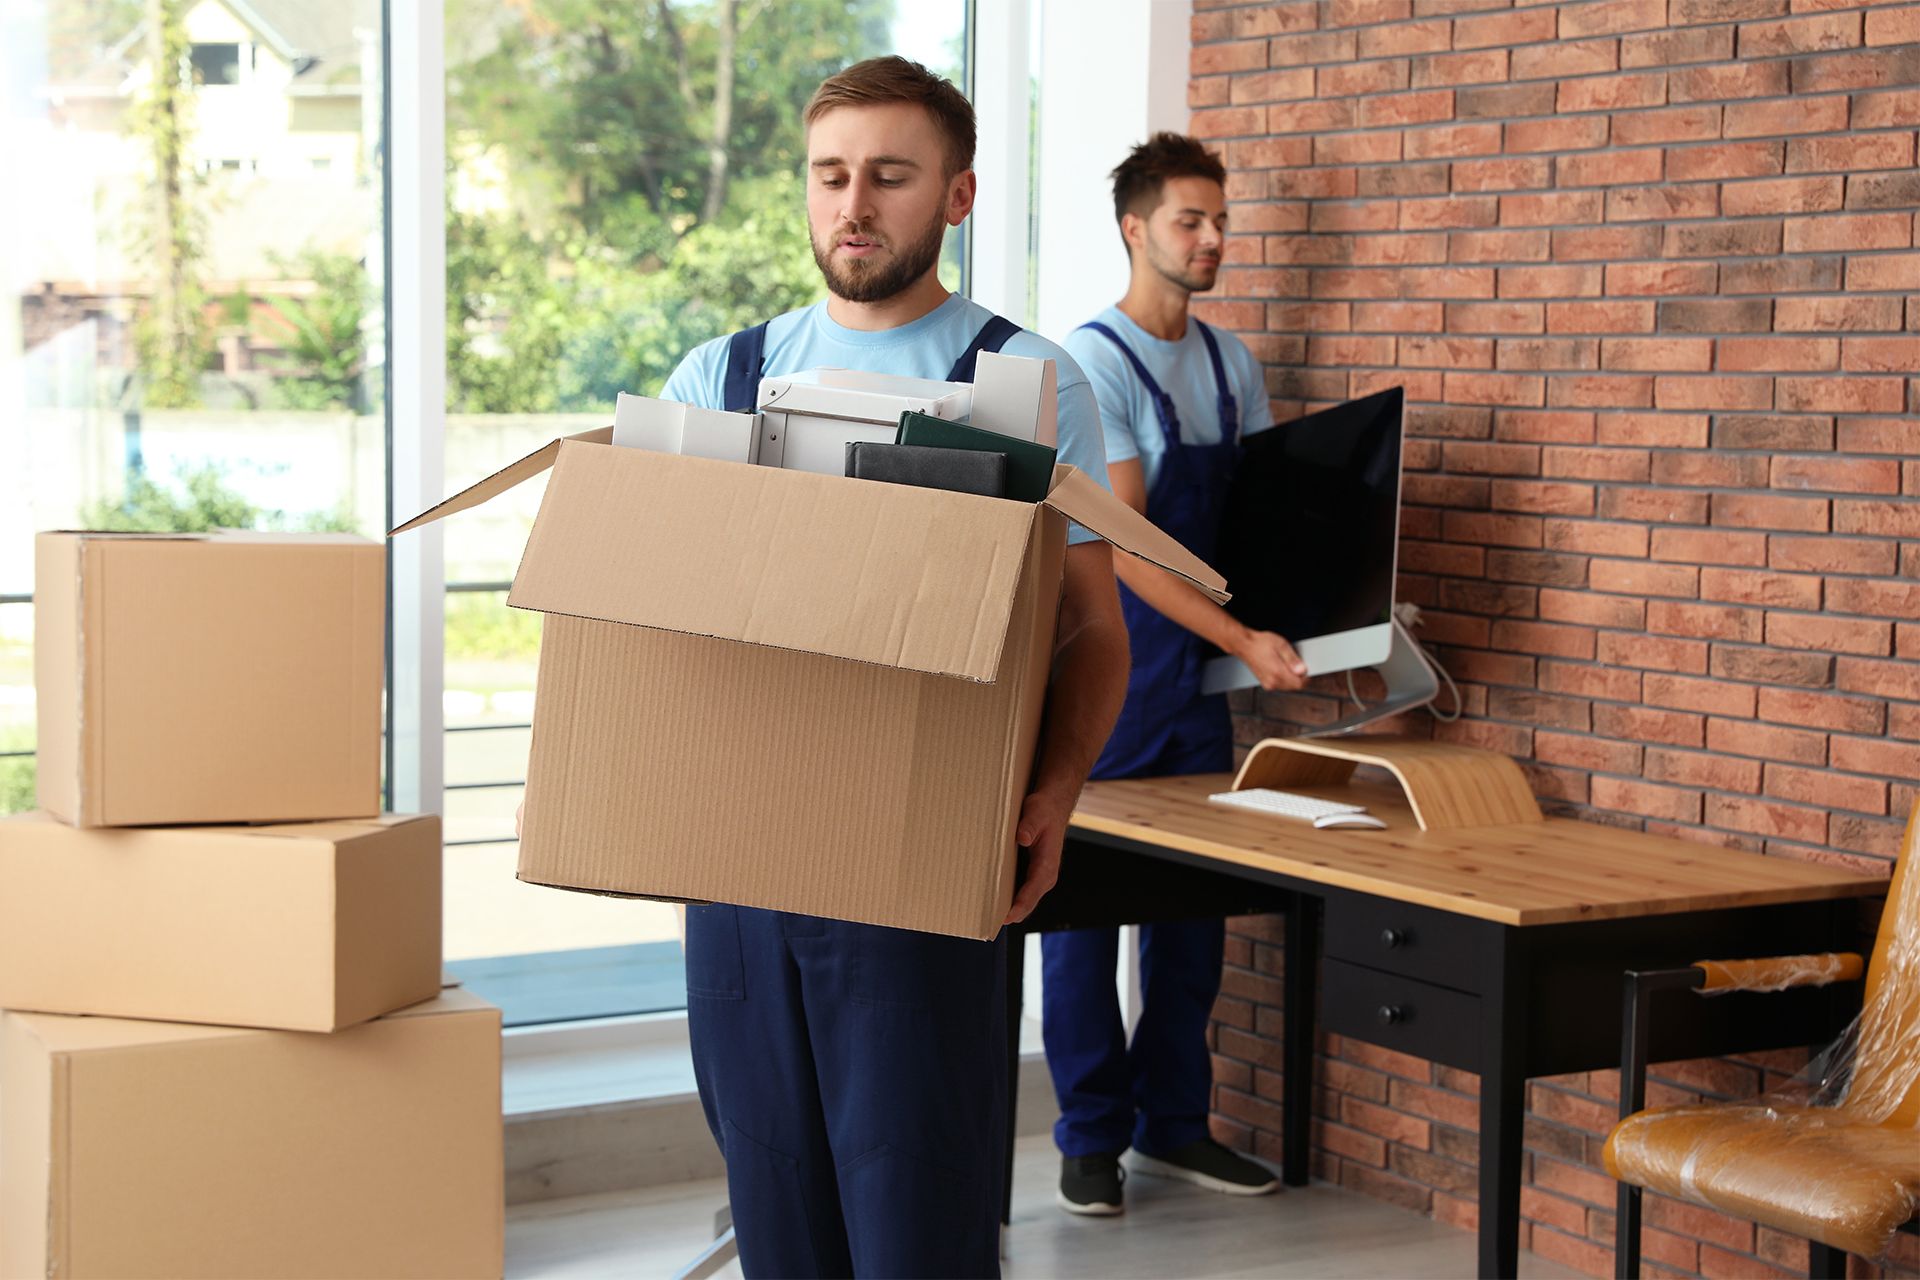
(1176, 398)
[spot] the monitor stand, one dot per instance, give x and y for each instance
(1410, 683)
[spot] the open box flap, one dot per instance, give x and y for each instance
(504, 479)
(918, 579)
(1078, 498)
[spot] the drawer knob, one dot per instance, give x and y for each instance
(1391, 1014)
(1391, 938)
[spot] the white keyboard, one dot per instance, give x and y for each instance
(1284, 804)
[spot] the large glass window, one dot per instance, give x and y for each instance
(624, 182)
(190, 245)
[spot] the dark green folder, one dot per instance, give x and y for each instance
(1029, 465)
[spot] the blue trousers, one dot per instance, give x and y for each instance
(854, 1078)
(1154, 1094)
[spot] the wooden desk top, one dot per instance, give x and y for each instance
(1527, 873)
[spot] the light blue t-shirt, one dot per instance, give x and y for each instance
(926, 348)
(1184, 372)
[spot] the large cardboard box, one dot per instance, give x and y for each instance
(220, 677)
(309, 926)
(136, 1149)
(788, 690)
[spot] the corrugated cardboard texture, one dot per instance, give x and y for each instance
(672, 766)
(1076, 496)
(909, 578)
(176, 1151)
(221, 678)
(309, 927)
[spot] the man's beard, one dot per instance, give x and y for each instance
(1190, 279)
(860, 280)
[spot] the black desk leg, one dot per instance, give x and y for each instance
(1301, 957)
(1016, 992)
(1503, 1098)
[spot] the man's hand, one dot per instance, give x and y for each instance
(1042, 831)
(1272, 660)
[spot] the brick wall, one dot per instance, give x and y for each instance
(1648, 270)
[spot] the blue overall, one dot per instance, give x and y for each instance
(1155, 1095)
(853, 1076)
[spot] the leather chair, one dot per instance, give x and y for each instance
(1840, 1166)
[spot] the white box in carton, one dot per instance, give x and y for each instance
(808, 419)
(787, 690)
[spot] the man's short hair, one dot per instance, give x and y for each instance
(1138, 180)
(879, 81)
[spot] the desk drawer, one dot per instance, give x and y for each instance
(1416, 941)
(1402, 1014)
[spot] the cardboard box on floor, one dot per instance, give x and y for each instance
(163, 1149)
(780, 689)
(308, 926)
(219, 677)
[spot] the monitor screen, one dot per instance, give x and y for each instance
(1312, 521)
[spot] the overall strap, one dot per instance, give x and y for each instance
(1162, 402)
(745, 354)
(1223, 391)
(993, 335)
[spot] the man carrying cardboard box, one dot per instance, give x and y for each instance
(1176, 398)
(853, 1075)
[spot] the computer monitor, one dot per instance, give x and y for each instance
(1309, 544)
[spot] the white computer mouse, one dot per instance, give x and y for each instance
(1350, 820)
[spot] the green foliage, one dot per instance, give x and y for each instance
(202, 502)
(16, 774)
(326, 353)
(480, 626)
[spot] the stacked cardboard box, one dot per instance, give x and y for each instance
(225, 1049)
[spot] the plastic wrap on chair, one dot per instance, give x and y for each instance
(1833, 1155)
(1779, 973)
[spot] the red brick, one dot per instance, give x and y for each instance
(1638, 577)
(1716, 315)
(1745, 738)
(1830, 315)
(1548, 639)
(1600, 391)
(1772, 666)
(1712, 697)
(1825, 787)
(1854, 151)
(1797, 115)
(1215, 59)
(1610, 17)
(1808, 34)
(1672, 47)
(1660, 278)
(1600, 317)
(1778, 355)
(1224, 122)
(1447, 353)
(1881, 355)
(1783, 275)
(1547, 353)
(1565, 58)
(1772, 431)
(1703, 469)
(1698, 1223)
(1447, 282)
(1809, 710)
(1866, 637)
(1837, 475)
(1496, 317)
(1893, 109)
(1598, 754)
(1584, 680)
(1899, 760)
(1613, 93)
(1398, 317)
(1874, 599)
(1551, 208)
(1360, 13)
(1357, 148)
(1701, 546)
(1667, 124)
(1310, 117)
(1575, 134)
(1705, 621)
(1771, 511)
(1652, 653)
(1453, 141)
(1406, 37)
(1593, 609)
(1713, 393)
(1880, 678)
(1782, 195)
(1609, 168)
(1491, 530)
(1725, 160)
(1450, 212)
(1893, 26)
(1658, 354)
(1723, 240)
(1305, 50)
(1841, 395)
(1495, 389)
(1697, 769)
(1735, 80)
(1595, 537)
(1827, 72)
(1423, 107)
(1849, 232)
(1881, 435)
(1500, 246)
(1483, 66)
(1273, 86)
(1833, 555)
(1643, 204)
(1745, 586)
(1595, 464)
(1521, 27)
(1606, 244)
(1886, 519)
(1274, 19)
(1646, 800)
(1507, 173)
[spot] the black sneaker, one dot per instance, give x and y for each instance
(1206, 1163)
(1091, 1185)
